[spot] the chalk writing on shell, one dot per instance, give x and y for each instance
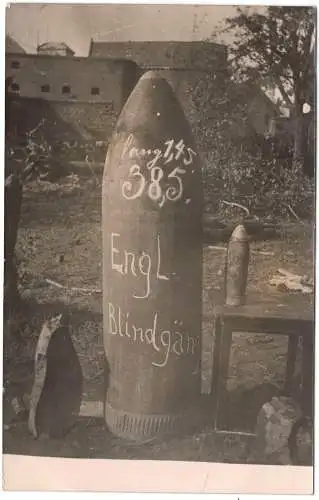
(128, 263)
(164, 342)
(156, 159)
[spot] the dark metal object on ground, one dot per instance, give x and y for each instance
(57, 389)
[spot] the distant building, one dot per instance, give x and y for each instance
(69, 78)
(167, 55)
(85, 95)
(79, 97)
(55, 49)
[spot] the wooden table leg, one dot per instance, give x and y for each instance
(224, 356)
(307, 374)
(291, 362)
(216, 362)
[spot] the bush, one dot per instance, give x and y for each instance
(267, 188)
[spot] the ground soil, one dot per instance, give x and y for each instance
(60, 239)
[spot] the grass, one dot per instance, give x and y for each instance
(60, 239)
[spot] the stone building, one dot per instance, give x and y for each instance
(199, 75)
(81, 97)
(184, 65)
(174, 55)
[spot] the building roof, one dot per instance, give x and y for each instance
(57, 46)
(12, 47)
(192, 55)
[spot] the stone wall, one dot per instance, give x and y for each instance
(70, 127)
(65, 120)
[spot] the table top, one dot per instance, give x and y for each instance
(293, 307)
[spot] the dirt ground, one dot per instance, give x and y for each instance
(60, 240)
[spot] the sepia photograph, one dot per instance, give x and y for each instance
(159, 234)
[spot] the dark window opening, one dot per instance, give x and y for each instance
(66, 89)
(15, 87)
(15, 64)
(95, 91)
(45, 88)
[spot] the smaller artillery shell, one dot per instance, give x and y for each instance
(237, 261)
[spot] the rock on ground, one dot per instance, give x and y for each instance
(301, 442)
(275, 424)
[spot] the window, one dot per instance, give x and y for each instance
(15, 64)
(66, 89)
(95, 91)
(15, 87)
(45, 88)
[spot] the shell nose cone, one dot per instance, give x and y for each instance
(153, 109)
(239, 233)
(151, 75)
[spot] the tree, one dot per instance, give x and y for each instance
(277, 48)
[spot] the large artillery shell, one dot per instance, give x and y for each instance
(152, 265)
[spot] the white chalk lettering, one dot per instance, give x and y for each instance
(126, 326)
(157, 156)
(119, 323)
(154, 189)
(137, 184)
(191, 345)
(126, 262)
(116, 267)
(112, 321)
(152, 331)
(127, 145)
(129, 264)
(174, 193)
(140, 331)
(165, 343)
(178, 344)
(159, 276)
(128, 186)
(144, 264)
(174, 151)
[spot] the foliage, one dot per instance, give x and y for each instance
(268, 188)
(34, 157)
(241, 166)
(277, 49)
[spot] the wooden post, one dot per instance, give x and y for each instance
(152, 266)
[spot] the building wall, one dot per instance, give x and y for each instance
(175, 55)
(77, 116)
(81, 115)
(89, 116)
(34, 72)
(65, 121)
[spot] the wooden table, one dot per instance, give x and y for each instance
(293, 317)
